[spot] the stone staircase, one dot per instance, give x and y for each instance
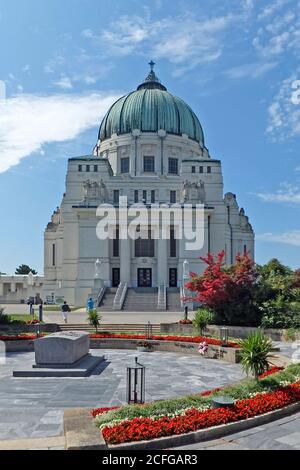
(141, 299)
(107, 301)
(173, 299)
(129, 328)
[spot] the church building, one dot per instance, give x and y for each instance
(150, 151)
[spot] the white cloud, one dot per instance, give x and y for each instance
(278, 33)
(286, 194)
(284, 112)
(252, 70)
(289, 238)
(52, 64)
(64, 83)
(271, 8)
(184, 40)
(28, 122)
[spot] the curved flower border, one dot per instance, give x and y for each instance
(139, 429)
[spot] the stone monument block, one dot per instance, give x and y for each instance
(62, 348)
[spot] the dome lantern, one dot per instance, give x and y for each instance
(151, 82)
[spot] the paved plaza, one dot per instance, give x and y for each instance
(80, 315)
(34, 407)
(283, 434)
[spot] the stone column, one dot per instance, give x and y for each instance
(125, 257)
(162, 261)
(1, 288)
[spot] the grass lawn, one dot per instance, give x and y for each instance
(22, 318)
(57, 308)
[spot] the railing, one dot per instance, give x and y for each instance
(120, 296)
(162, 297)
(100, 295)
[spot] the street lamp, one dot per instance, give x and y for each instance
(135, 387)
(224, 336)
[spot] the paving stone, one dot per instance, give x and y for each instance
(292, 439)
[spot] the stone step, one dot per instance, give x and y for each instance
(112, 328)
(141, 299)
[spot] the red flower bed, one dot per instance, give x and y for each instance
(210, 392)
(100, 411)
(271, 371)
(185, 339)
(139, 429)
(17, 337)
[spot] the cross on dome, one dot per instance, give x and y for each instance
(151, 63)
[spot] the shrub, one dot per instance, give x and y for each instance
(291, 334)
(202, 318)
(94, 318)
(4, 319)
(255, 351)
(280, 313)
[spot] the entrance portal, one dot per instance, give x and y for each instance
(144, 277)
(115, 277)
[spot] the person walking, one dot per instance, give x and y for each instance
(65, 309)
(90, 304)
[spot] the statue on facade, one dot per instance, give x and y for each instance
(97, 268)
(193, 192)
(94, 190)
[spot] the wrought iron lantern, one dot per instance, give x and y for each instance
(136, 383)
(148, 330)
(224, 336)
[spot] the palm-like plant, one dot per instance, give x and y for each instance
(94, 318)
(255, 351)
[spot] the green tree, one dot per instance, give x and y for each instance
(255, 351)
(25, 269)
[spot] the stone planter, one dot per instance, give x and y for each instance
(213, 352)
(143, 349)
(233, 331)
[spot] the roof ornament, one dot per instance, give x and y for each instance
(151, 63)
(151, 81)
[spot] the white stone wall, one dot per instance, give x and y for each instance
(73, 226)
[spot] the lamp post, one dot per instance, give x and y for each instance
(135, 387)
(224, 336)
(185, 279)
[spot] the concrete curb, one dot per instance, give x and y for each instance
(81, 432)
(38, 443)
(208, 434)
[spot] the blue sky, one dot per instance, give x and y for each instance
(235, 62)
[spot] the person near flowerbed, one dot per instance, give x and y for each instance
(65, 309)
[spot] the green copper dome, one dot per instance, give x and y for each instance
(151, 108)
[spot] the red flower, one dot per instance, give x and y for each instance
(139, 429)
(18, 337)
(100, 411)
(272, 370)
(186, 339)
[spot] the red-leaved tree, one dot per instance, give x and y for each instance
(228, 291)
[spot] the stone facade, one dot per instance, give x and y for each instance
(182, 172)
(19, 287)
